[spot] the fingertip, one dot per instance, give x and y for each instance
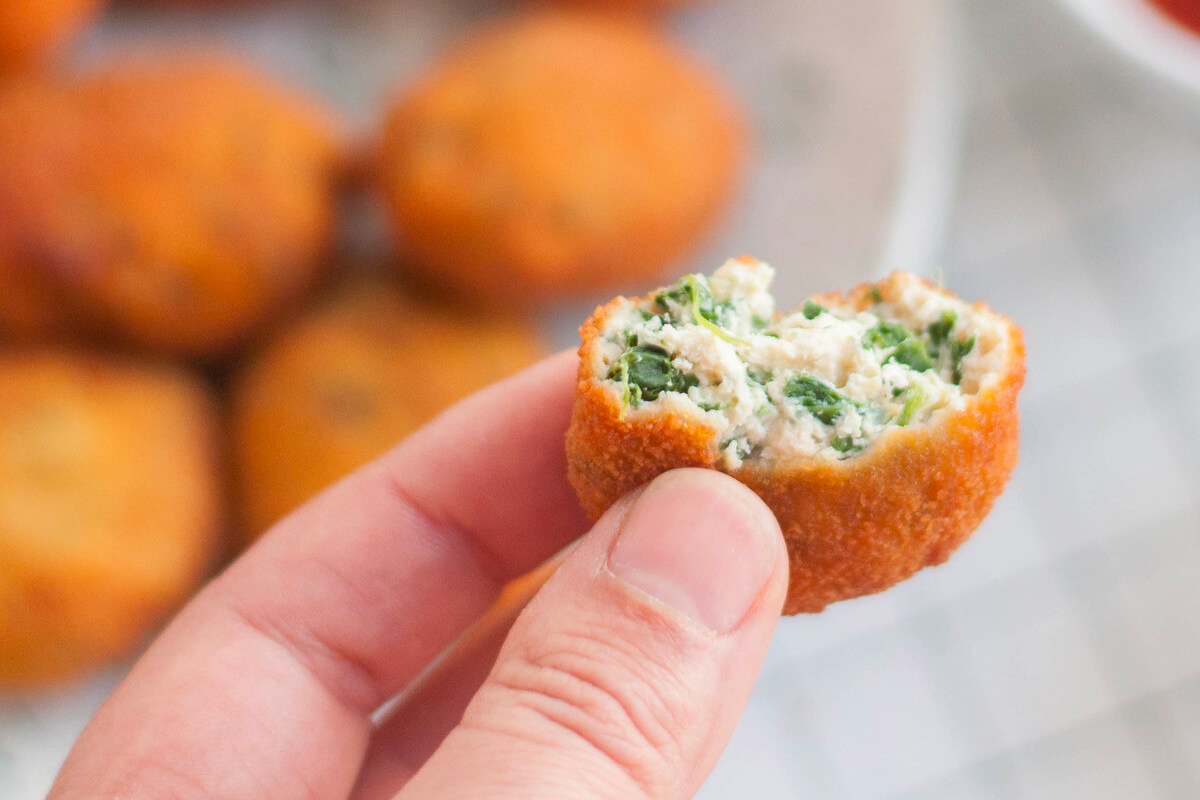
(729, 490)
(700, 543)
(632, 665)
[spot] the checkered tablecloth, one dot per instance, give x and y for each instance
(1057, 655)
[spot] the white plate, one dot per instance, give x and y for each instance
(1146, 35)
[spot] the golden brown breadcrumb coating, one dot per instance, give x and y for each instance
(852, 527)
(109, 508)
(348, 381)
(555, 153)
(30, 30)
(631, 6)
(175, 203)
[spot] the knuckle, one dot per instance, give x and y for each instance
(601, 687)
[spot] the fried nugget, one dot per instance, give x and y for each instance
(176, 204)
(32, 29)
(31, 307)
(556, 153)
(879, 425)
(109, 508)
(633, 6)
(348, 381)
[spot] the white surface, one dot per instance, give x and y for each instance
(1061, 642)
(930, 162)
(1145, 35)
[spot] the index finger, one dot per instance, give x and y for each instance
(268, 678)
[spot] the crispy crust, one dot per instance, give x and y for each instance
(852, 527)
(30, 30)
(176, 204)
(347, 381)
(630, 6)
(110, 508)
(554, 153)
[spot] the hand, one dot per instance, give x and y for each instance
(622, 679)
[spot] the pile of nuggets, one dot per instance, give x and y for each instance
(186, 351)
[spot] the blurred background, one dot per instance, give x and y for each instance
(1041, 155)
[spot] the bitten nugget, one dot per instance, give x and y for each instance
(176, 204)
(555, 153)
(879, 425)
(109, 508)
(347, 382)
(32, 29)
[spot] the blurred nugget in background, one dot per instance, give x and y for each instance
(556, 153)
(174, 202)
(627, 5)
(31, 30)
(348, 381)
(110, 508)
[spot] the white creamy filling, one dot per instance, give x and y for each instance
(794, 387)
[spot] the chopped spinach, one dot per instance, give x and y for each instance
(647, 372)
(723, 312)
(817, 397)
(691, 293)
(812, 310)
(913, 354)
(958, 351)
(740, 446)
(844, 444)
(886, 334)
(939, 331)
(913, 400)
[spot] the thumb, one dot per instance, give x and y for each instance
(626, 675)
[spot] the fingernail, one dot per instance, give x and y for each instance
(699, 542)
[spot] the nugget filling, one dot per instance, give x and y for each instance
(825, 382)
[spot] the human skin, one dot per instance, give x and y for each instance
(623, 678)
(346, 381)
